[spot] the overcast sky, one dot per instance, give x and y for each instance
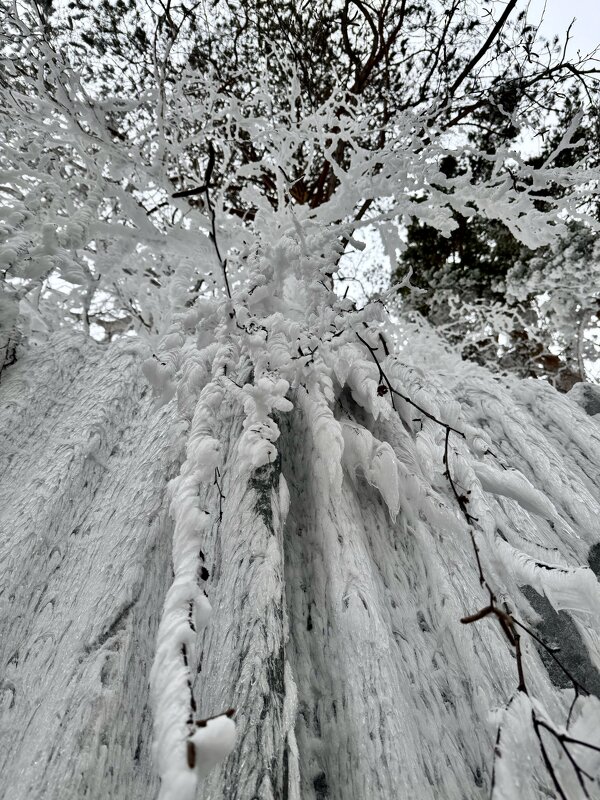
(558, 15)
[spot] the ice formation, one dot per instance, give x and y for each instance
(322, 564)
(417, 496)
(357, 556)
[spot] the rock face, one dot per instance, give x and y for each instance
(337, 575)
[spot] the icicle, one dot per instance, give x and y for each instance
(260, 431)
(328, 438)
(516, 486)
(375, 459)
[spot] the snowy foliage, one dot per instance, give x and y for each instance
(547, 325)
(564, 279)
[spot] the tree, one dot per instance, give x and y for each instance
(563, 279)
(372, 543)
(476, 286)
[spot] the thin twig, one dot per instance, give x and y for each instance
(221, 495)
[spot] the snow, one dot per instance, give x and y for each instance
(213, 742)
(337, 503)
(375, 460)
(379, 566)
(83, 549)
(510, 483)
(331, 627)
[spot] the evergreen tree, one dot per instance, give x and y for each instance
(472, 285)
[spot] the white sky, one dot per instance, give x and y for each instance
(558, 14)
